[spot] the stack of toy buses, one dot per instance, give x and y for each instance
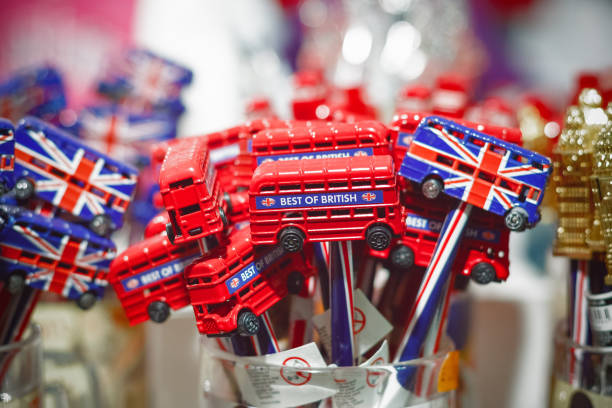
(63, 200)
(243, 208)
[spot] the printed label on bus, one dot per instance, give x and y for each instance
(253, 269)
(329, 154)
(319, 200)
(151, 276)
(425, 224)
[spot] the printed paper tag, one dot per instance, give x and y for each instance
(370, 326)
(359, 388)
(600, 317)
(285, 385)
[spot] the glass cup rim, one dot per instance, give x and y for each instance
(436, 358)
(562, 339)
(33, 336)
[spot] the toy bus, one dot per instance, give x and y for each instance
(157, 224)
(482, 170)
(483, 254)
(53, 255)
(349, 198)
(148, 278)
(7, 156)
(191, 193)
(404, 125)
(51, 165)
(234, 284)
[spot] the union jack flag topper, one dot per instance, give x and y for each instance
(64, 258)
(144, 81)
(476, 168)
(70, 175)
(7, 156)
(37, 91)
(121, 134)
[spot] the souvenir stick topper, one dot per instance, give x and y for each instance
(432, 287)
(341, 303)
(321, 259)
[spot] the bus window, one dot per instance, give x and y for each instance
(464, 168)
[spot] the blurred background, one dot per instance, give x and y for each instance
(243, 49)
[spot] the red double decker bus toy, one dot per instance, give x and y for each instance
(349, 198)
(148, 278)
(191, 193)
(234, 284)
(483, 255)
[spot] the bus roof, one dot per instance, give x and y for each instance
(403, 120)
(183, 160)
(484, 137)
(319, 131)
(313, 170)
(5, 125)
(239, 243)
(52, 132)
(137, 253)
(56, 224)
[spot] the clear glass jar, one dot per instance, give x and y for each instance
(233, 381)
(21, 381)
(582, 375)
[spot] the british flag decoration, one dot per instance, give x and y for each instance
(37, 91)
(57, 256)
(7, 156)
(70, 175)
(476, 168)
(123, 135)
(143, 82)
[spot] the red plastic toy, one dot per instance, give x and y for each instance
(483, 254)
(236, 282)
(148, 278)
(191, 194)
(348, 198)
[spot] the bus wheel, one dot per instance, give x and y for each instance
(15, 283)
(483, 273)
(100, 224)
(24, 189)
(516, 219)
(379, 237)
(223, 218)
(86, 300)
(158, 311)
(402, 257)
(248, 323)
(292, 239)
(170, 233)
(295, 282)
(3, 188)
(432, 187)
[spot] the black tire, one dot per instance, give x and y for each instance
(101, 225)
(431, 188)
(3, 188)
(379, 237)
(402, 257)
(15, 283)
(516, 219)
(24, 189)
(86, 301)
(295, 282)
(170, 233)
(292, 239)
(158, 311)
(228, 201)
(248, 323)
(223, 218)
(483, 273)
